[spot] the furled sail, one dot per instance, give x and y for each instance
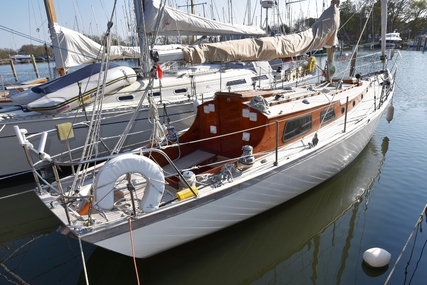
(76, 49)
(173, 22)
(323, 33)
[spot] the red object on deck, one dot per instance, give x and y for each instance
(159, 72)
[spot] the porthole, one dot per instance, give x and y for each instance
(126, 98)
(180, 90)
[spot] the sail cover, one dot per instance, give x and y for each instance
(75, 48)
(323, 33)
(173, 22)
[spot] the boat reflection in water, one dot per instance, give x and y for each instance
(288, 244)
(31, 252)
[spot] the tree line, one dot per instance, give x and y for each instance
(408, 17)
(42, 50)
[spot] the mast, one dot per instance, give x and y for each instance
(267, 5)
(383, 31)
(330, 53)
(142, 37)
(248, 8)
(193, 12)
(60, 67)
(288, 10)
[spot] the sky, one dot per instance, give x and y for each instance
(29, 25)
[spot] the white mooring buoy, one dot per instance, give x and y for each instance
(390, 113)
(377, 257)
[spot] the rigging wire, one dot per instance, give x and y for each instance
(416, 228)
(93, 136)
(15, 32)
(418, 261)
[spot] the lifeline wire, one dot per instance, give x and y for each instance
(420, 219)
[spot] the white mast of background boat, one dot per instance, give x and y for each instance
(60, 68)
(383, 31)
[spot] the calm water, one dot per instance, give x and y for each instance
(317, 238)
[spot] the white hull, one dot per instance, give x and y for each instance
(261, 187)
(254, 196)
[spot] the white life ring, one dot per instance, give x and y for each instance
(129, 163)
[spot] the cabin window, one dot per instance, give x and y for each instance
(327, 115)
(126, 98)
(297, 127)
(180, 90)
(261, 77)
(236, 82)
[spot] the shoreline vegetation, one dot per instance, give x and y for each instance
(42, 57)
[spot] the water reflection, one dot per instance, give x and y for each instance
(31, 252)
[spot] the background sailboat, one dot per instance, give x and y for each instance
(176, 93)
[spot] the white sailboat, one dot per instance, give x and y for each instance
(20, 58)
(180, 88)
(246, 152)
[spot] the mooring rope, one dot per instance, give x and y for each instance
(83, 259)
(133, 250)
